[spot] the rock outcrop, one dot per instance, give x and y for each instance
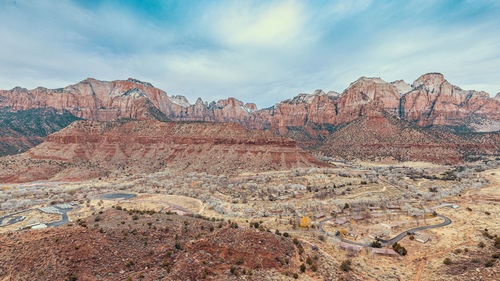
(380, 135)
(88, 149)
(434, 101)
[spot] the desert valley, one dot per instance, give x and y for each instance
(120, 181)
(282, 140)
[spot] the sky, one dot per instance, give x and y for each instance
(256, 51)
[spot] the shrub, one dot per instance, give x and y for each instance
(481, 245)
(296, 276)
(399, 249)
(447, 261)
(302, 268)
(314, 267)
(345, 265)
(376, 244)
(309, 261)
(489, 263)
(130, 262)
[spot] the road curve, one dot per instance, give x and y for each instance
(400, 236)
(389, 242)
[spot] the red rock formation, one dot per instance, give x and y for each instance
(88, 149)
(376, 135)
(307, 118)
(431, 101)
(434, 101)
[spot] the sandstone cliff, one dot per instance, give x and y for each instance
(87, 149)
(310, 119)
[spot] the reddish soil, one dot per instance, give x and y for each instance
(149, 246)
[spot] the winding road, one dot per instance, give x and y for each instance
(391, 241)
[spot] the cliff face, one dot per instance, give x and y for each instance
(434, 101)
(430, 100)
(87, 149)
(377, 135)
(307, 118)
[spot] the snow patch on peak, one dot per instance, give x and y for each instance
(179, 100)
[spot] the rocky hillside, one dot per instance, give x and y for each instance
(23, 129)
(116, 245)
(87, 149)
(380, 135)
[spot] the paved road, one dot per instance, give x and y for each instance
(118, 196)
(396, 239)
(15, 219)
(389, 242)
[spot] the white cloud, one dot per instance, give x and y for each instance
(265, 25)
(259, 52)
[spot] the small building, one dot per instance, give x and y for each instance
(349, 247)
(353, 235)
(394, 207)
(340, 221)
(358, 218)
(319, 216)
(386, 225)
(423, 238)
(384, 252)
(39, 226)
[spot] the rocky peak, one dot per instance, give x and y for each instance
(140, 82)
(431, 82)
(19, 89)
(333, 94)
(497, 97)
(318, 92)
(250, 107)
(180, 100)
(402, 86)
(308, 98)
(367, 80)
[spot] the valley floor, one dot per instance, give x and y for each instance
(327, 220)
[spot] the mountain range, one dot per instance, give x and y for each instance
(429, 119)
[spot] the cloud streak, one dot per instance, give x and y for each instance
(257, 51)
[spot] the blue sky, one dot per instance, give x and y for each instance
(257, 51)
